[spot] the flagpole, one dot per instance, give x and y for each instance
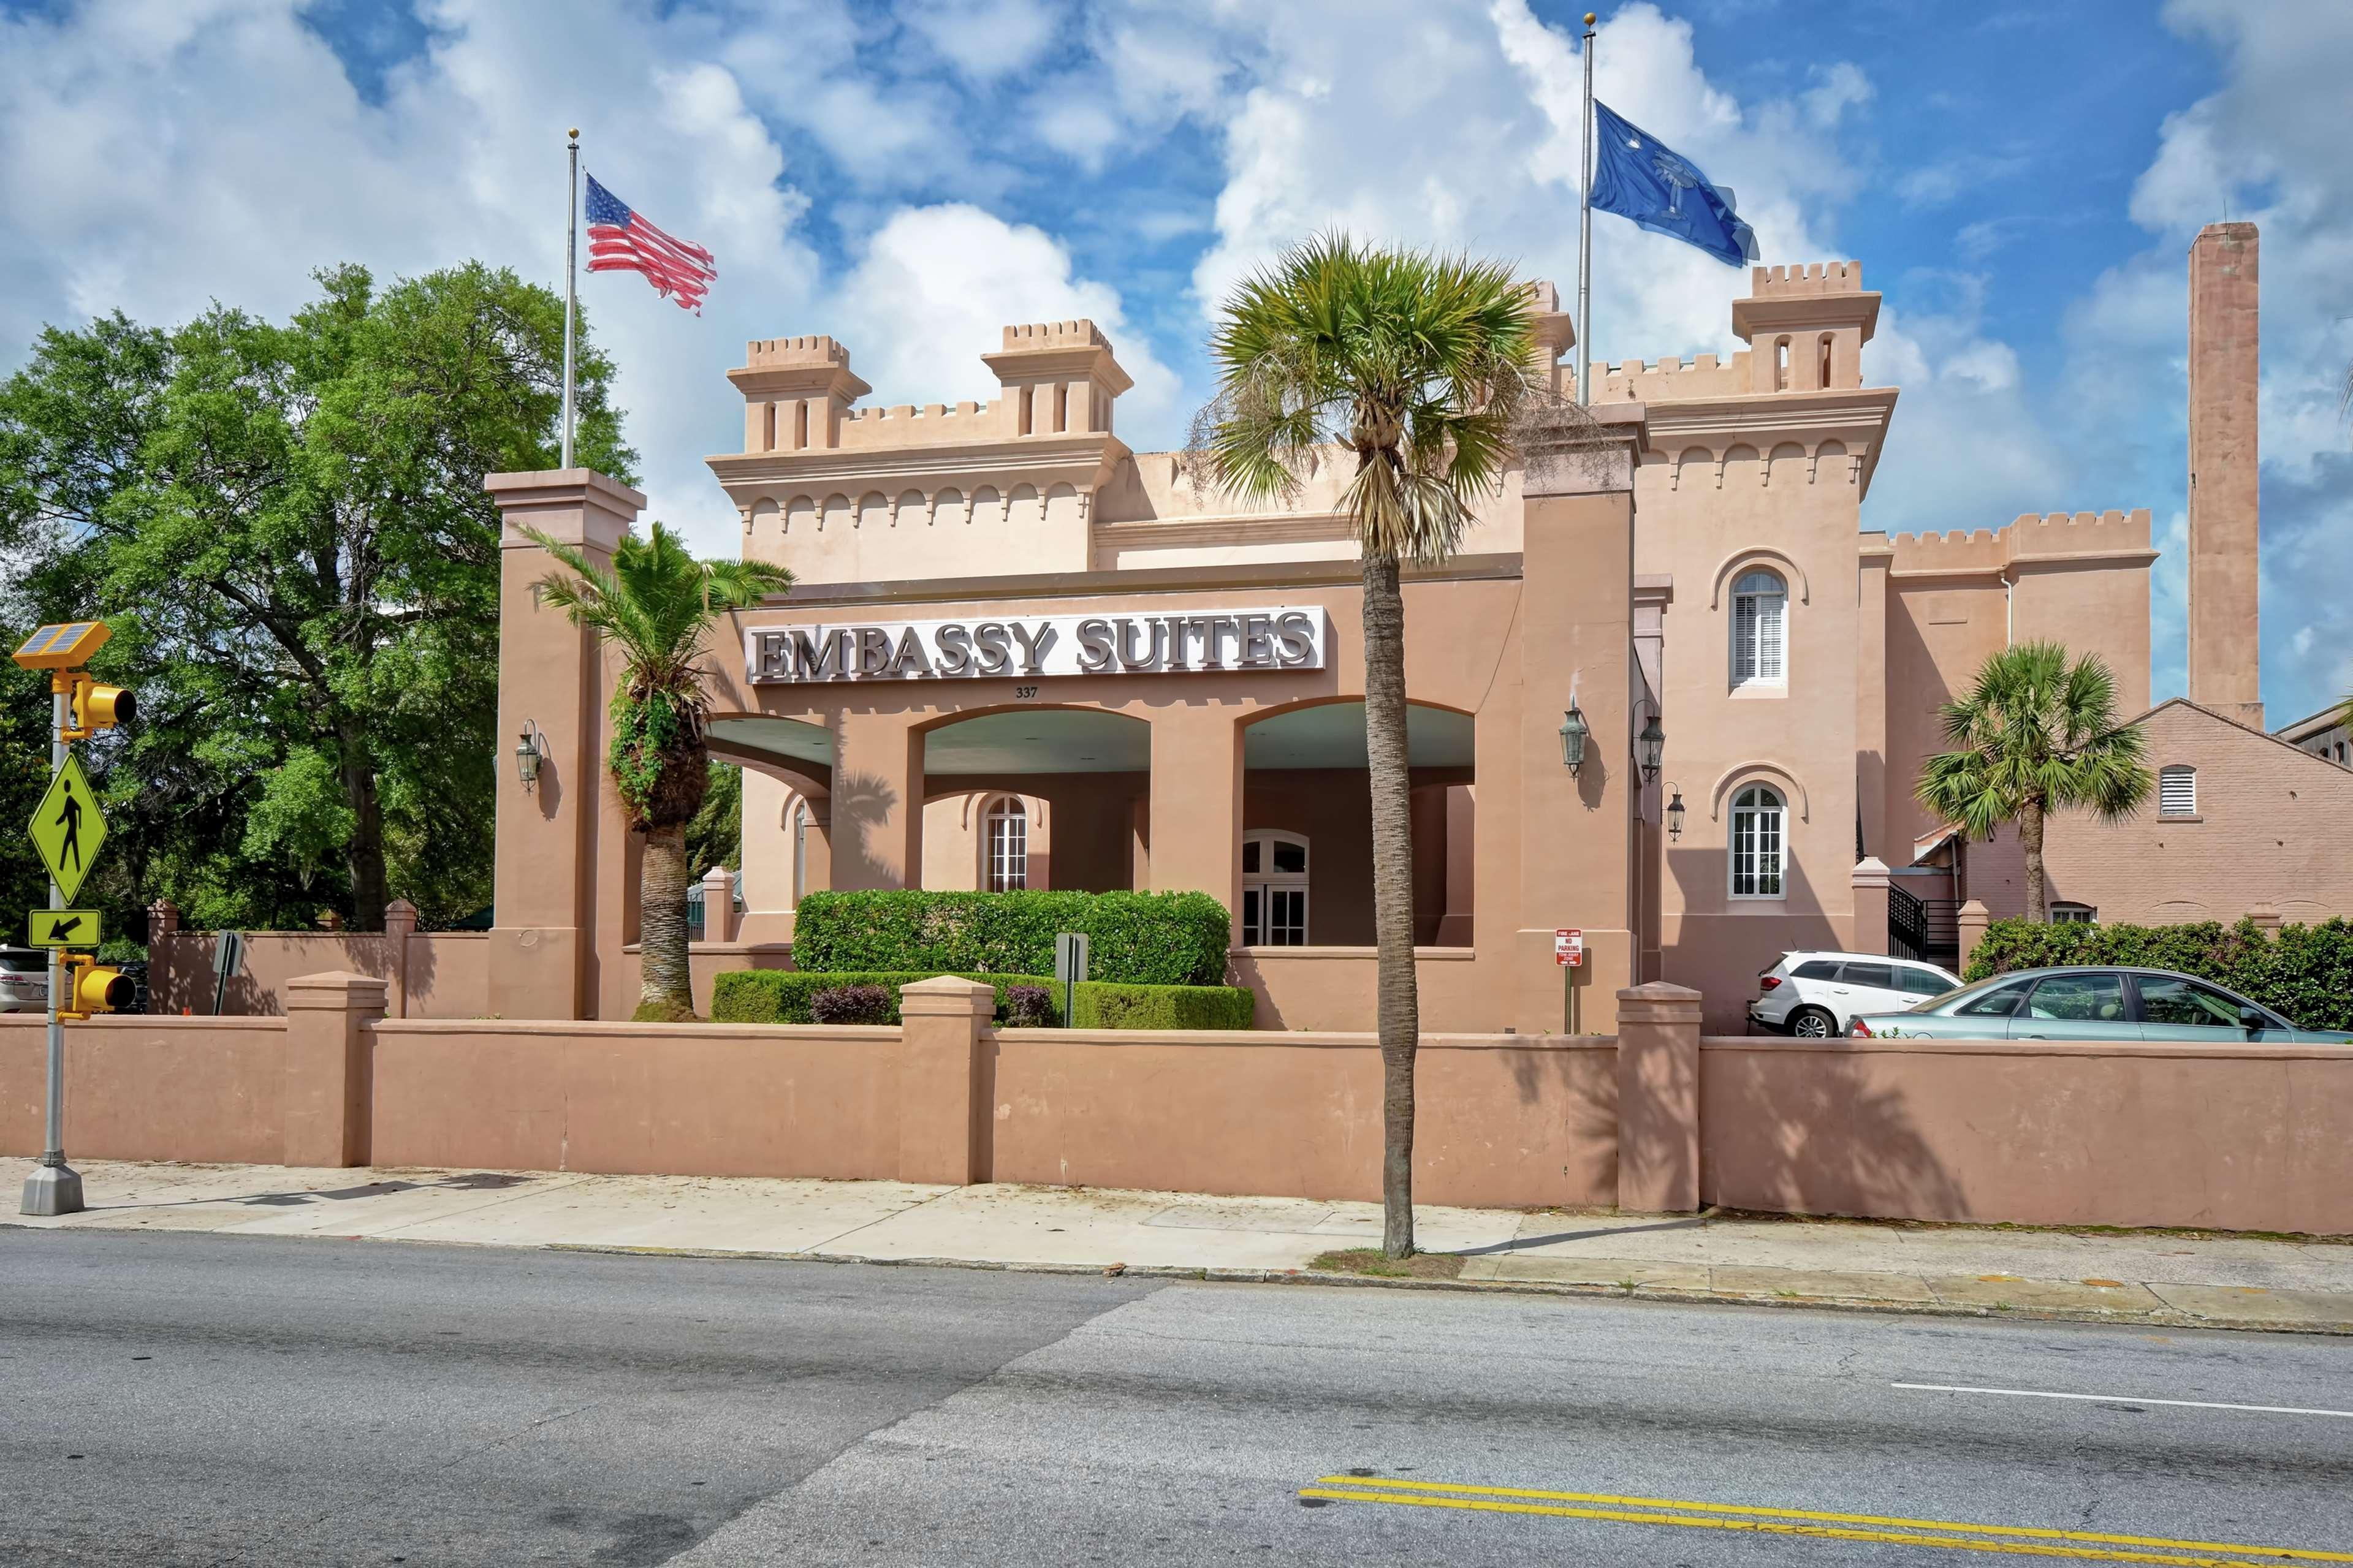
(572, 268)
(1585, 232)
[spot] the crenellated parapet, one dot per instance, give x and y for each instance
(1807, 280)
(910, 490)
(2033, 539)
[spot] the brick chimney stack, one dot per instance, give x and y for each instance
(2225, 672)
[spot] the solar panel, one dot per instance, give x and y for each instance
(62, 647)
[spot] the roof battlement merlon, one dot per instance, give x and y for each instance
(1806, 277)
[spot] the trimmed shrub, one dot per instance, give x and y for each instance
(787, 995)
(1103, 1005)
(1023, 1001)
(1029, 1007)
(853, 1005)
(1146, 939)
(2305, 971)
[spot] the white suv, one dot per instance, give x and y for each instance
(24, 980)
(1817, 995)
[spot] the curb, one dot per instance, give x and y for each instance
(2165, 1319)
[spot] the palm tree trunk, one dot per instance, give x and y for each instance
(666, 989)
(1399, 1004)
(2030, 838)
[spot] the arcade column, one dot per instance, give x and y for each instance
(553, 688)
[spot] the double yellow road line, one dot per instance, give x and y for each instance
(2076, 1545)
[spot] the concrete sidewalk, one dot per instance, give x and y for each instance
(2155, 1277)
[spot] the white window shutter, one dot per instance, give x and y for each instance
(1768, 637)
(2177, 792)
(1744, 637)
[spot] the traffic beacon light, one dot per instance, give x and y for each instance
(93, 987)
(92, 707)
(62, 650)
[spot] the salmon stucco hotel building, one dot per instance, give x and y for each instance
(1022, 655)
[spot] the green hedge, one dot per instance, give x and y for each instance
(783, 996)
(2304, 972)
(1141, 939)
(1106, 1004)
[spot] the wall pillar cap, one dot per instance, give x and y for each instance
(1658, 1002)
(1871, 872)
(544, 485)
(1975, 906)
(948, 995)
(337, 989)
(400, 912)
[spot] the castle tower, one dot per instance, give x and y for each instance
(2224, 661)
(1805, 326)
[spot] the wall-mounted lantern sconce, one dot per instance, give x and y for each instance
(1573, 733)
(529, 752)
(1675, 812)
(1648, 747)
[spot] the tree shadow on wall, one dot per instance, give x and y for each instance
(1813, 1130)
(862, 803)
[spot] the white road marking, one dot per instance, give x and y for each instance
(2122, 1399)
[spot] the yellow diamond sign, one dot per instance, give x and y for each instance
(68, 828)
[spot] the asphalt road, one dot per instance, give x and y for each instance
(203, 1399)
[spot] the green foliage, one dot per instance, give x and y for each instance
(2035, 732)
(1102, 1004)
(1423, 364)
(715, 836)
(2304, 972)
(121, 950)
(285, 526)
(656, 603)
(788, 996)
(1153, 938)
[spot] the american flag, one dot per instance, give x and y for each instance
(622, 240)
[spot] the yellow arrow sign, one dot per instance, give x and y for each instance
(63, 928)
(68, 828)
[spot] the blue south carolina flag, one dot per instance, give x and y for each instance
(1636, 176)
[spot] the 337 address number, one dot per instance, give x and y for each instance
(1024, 693)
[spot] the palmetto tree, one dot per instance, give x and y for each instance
(1422, 369)
(654, 603)
(2034, 736)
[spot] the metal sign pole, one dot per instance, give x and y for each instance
(55, 1187)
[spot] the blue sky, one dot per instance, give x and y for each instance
(2021, 183)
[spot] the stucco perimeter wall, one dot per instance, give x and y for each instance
(151, 1088)
(446, 974)
(704, 1099)
(1505, 1120)
(2241, 1137)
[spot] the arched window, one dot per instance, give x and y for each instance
(1825, 381)
(2177, 791)
(1759, 818)
(1274, 889)
(1780, 365)
(1008, 845)
(1760, 604)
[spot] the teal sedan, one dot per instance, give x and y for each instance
(2090, 1004)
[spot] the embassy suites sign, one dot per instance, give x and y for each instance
(1022, 645)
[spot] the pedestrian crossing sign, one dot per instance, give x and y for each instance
(68, 828)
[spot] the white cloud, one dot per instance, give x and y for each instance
(158, 155)
(938, 284)
(986, 39)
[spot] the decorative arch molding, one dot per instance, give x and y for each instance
(1730, 568)
(1759, 773)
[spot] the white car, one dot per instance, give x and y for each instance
(24, 980)
(1816, 995)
